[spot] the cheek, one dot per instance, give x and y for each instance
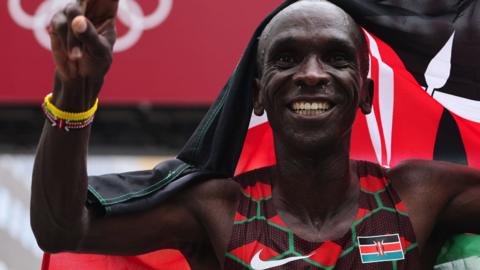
(351, 84)
(274, 84)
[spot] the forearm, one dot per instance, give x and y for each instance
(59, 186)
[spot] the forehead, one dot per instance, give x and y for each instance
(311, 21)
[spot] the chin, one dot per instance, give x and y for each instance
(311, 142)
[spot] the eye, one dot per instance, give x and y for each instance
(339, 60)
(285, 61)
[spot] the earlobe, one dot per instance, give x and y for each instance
(258, 108)
(367, 100)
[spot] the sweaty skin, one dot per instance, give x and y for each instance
(311, 52)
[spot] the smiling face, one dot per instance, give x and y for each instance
(312, 62)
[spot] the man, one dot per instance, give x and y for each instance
(312, 77)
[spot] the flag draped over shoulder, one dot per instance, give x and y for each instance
(424, 62)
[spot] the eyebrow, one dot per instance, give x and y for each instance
(333, 42)
(284, 41)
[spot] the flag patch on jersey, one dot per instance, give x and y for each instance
(380, 248)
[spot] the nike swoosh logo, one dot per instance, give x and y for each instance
(259, 264)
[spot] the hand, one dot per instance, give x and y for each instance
(82, 37)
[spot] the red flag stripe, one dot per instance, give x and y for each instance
(364, 249)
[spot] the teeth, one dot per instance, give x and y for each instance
(310, 108)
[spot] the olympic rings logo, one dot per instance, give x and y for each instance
(130, 14)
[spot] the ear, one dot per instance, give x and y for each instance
(258, 108)
(367, 99)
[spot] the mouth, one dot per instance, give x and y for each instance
(306, 108)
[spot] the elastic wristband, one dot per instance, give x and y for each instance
(69, 116)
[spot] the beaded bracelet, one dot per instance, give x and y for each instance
(69, 115)
(67, 120)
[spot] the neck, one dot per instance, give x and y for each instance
(315, 187)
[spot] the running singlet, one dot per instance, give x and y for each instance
(381, 237)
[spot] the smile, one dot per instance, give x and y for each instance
(310, 108)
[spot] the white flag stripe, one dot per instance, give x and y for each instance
(257, 120)
(386, 98)
(374, 135)
(372, 123)
(372, 245)
(466, 108)
(371, 118)
(438, 70)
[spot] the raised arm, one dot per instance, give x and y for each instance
(82, 38)
(82, 51)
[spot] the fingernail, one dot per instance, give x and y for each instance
(79, 24)
(75, 53)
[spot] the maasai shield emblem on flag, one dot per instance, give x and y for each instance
(425, 64)
(380, 248)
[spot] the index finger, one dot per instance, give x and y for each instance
(99, 11)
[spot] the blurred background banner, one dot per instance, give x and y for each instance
(182, 51)
(18, 248)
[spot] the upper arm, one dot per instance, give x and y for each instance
(439, 196)
(171, 224)
(200, 215)
(461, 212)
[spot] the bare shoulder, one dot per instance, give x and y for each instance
(416, 181)
(219, 194)
(440, 197)
(412, 173)
(214, 203)
(417, 174)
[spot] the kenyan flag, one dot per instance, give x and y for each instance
(380, 248)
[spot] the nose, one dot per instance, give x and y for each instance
(311, 74)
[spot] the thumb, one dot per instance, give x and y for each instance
(79, 25)
(84, 31)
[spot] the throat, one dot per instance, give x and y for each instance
(315, 229)
(317, 206)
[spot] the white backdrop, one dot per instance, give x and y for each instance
(18, 248)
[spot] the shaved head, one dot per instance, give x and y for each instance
(311, 9)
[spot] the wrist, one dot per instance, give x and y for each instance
(76, 95)
(68, 120)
